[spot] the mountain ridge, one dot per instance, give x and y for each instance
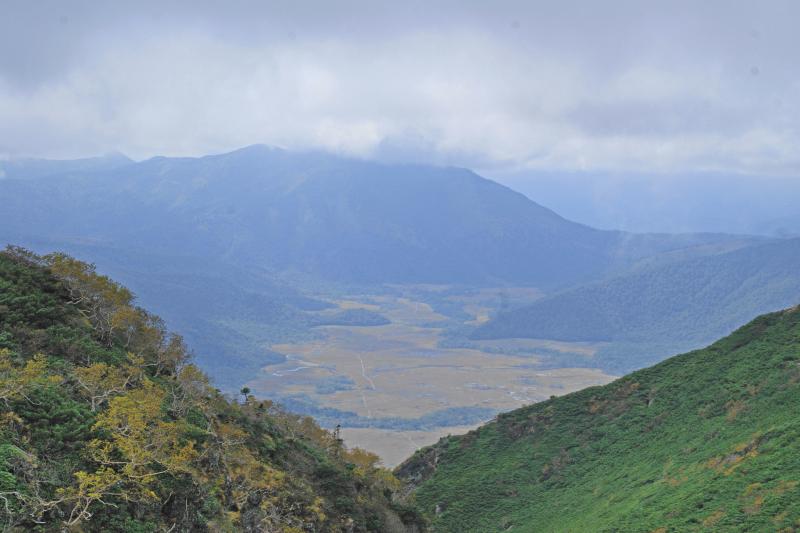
(338, 218)
(694, 300)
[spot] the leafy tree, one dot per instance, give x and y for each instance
(101, 381)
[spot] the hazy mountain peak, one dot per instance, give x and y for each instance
(333, 216)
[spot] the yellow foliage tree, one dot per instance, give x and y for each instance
(140, 447)
(98, 298)
(140, 439)
(101, 381)
(14, 380)
(90, 488)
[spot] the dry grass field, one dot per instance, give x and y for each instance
(399, 370)
(396, 446)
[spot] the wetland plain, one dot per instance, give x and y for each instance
(405, 384)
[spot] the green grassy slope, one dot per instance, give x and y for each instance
(708, 440)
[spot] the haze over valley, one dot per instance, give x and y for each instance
(399, 267)
(384, 297)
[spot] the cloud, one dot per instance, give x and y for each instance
(510, 85)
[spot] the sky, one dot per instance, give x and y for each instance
(507, 86)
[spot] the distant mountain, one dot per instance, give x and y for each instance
(693, 301)
(670, 202)
(212, 243)
(785, 226)
(705, 441)
(331, 217)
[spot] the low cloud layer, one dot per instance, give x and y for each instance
(623, 86)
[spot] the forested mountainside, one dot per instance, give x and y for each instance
(705, 441)
(106, 425)
(694, 301)
(331, 217)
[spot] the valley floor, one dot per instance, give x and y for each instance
(395, 387)
(395, 446)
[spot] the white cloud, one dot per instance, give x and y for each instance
(520, 86)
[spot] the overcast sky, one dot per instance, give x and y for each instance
(621, 86)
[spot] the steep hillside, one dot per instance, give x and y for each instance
(705, 441)
(337, 218)
(695, 300)
(105, 425)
